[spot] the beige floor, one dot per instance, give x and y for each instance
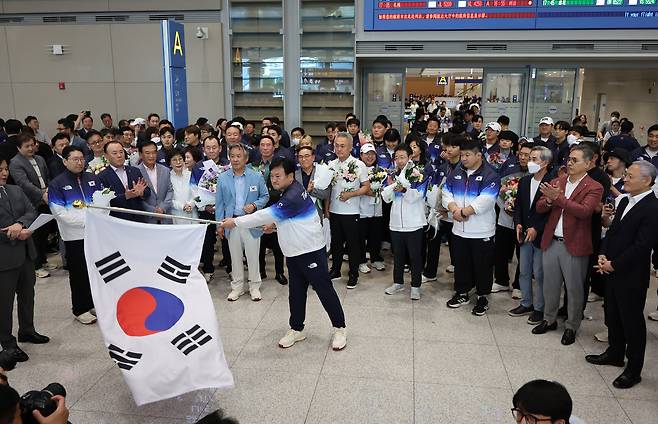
(405, 362)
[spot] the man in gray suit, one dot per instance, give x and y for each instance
(17, 278)
(158, 179)
(30, 172)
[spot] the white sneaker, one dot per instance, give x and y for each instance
(364, 268)
(516, 294)
(50, 267)
(407, 268)
(235, 295)
(602, 336)
(415, 293)
(450, 269)
(86, 318)
(394, 288)
(346, 258)
(424, 279)
(255, 294)
(495, 288)
(379, 265)
(291, 337)
(93, 311)
(593, 297)
(42, 273)
(339, 339)
(208, 276)
(653, 316)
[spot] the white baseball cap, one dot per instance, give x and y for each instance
(546, 120)
(139, 121)
(368, 147)
(494, 126)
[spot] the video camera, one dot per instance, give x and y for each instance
(41, 401)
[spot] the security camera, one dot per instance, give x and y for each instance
(202, 33)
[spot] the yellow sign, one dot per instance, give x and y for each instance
(443, 80)
(177, 44)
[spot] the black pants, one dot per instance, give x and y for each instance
(371, 238)
(386, 218)
(505, 245)
(432, 247)
(40, 238)
(81, 299)
(271, 241)
(17, 283)
(345, 230)
(209, 241)
(407, 245)
(627, 330)
(312, 268)
(474, 260)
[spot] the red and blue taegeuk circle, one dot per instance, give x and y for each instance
(142, 311)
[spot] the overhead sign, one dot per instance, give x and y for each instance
(442, 80)
(175, 78)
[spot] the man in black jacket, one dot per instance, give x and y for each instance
(529, 226)
(624, 260)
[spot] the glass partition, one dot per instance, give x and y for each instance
(503, 95)
(551, 94)
(384, 96)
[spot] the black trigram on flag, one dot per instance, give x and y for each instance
(175, 271)
(124, 359)
(192, 339)
(112, 266)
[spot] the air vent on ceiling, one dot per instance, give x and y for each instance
(11, 20)
(58, 19)
(166, 17)
(403, 47)
(111, 18)
(486, 47)
(650, 47)
(574, 46)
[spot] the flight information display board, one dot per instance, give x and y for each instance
(509, 14)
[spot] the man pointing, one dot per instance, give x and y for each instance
(302, 242)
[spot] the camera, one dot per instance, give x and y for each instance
(41, 401)
(7, 361)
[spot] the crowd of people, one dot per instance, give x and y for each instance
(577, 214)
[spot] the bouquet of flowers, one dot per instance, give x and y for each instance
(98, 167)
(347, 174)
(364, 138)
(377, 176)
(508, 190)
(208, 181)
(411, 174)
(495, 159)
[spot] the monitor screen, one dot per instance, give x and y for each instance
(509, 14)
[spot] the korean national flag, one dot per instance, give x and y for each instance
(154, 308)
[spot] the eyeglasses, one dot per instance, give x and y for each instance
(76, 159)
(529, 418)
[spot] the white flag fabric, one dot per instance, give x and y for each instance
(154, 308)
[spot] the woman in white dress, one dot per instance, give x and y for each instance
(180, 180)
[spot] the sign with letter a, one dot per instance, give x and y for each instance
(175, 78)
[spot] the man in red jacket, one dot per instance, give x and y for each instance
(567, 243)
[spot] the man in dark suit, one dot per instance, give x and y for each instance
(30, 173)
(624, 259)
(529, 225)
(56, 163)
(126, 182)
(567, 242)
(17, 278)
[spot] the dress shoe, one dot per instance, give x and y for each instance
(605, 359)
(281, 279)
(7, 361)
(544, 327)
(569, 337)
(34, 338)
(17, 354)
(626, 381)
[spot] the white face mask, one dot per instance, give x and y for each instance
(572, 139)
(295, 141)
(533, 168)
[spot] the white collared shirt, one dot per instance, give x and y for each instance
(33, 162)
(568, 191)
(632, 200)
(153, 176)
(122, 174)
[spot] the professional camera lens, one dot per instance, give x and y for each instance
(55, 389)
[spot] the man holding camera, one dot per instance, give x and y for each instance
(50, 408)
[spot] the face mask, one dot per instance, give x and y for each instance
(295, 141)
(572, 139)
(533, 168)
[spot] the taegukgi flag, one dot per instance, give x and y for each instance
(154, 308)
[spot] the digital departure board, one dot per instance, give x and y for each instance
(509, 14)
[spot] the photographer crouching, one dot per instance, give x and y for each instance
(45, 406)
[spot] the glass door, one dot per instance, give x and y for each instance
(384, 94)
(551, 94)
(503, 94)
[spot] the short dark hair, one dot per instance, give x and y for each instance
(13, 126)
(106, 131)
(29, 119)
(626, 126)
(147, 143)
(562, 125)
(92, 132)
(478, 117)
(165, 130)
(23, 138)
(283, 162)
(165, 122)
(172, 153)
(151, 115)
(652, 128)
(70, 149)
(3, 158)
(59, 136)
(543, 397)
(309, 148)
(299, 129)
(472, 145)
(383, 122)
(392, 135)
(455, 140)
(201, 121)
(150, 131)
(127, 128)
(265, 136)
(503, 120)
(196, 154)
(193, 129)
(350, 114)
(405, 147)
(108, 144)
(275, 128)
(66, 123)
(330, 126)
(105, 115)
(433, 118)
(579, 129)
(88, 117)
(354, 121)
(615, 113)
(8, 397)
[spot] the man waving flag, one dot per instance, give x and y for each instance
(154, 307)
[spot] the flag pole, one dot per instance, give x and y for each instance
(81, 205)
